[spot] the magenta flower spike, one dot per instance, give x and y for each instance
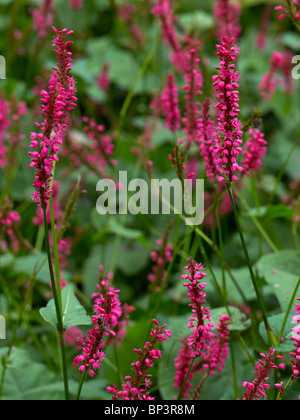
(57, 102)
(200, 321)
(107, 312)
(163, 11)
(218, 350)
(296, 341)
(76, 4)
(4, 124)
(257, 389)
(227, 19)
(170, 102)
(192, 88)
(254, 151)
(229, 128)
(269, 80)
(182, 365)
(43, 17)
(206, 139)
(136, 386)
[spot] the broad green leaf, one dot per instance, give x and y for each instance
(26, 380)
(276, 323)
(199, 20)
(6, 260)
(281, 270)
(73, 313)
(279, 211)
(240, 321)
(34, 265)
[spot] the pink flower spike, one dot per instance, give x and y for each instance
(170, 101)
(256, 390)
(227, 19)
(136, 386)
(229, 130)
(56, 105)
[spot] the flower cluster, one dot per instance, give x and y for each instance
(296, 340)
(107, 312)
(218, 350)
(257, 389)
(200, 320)
(194, 82)
(227, 18)
(163, 12)
(136, 386)
(128, 13)
(211, 350)
(103, 80)
(4, 124)
(161, 257)
(94, 149)
(279, 63)
(182, 365)
(228, 144)
(9, 223)
(57, 102)
(254, 151)
(269, 80)
(43, 17)
(169, 99)
(206, 139)
(76, 4)
(293, 12)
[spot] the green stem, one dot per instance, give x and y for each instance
(57, 308)
(55, 252)
(260, 300)
(283, 169)
(185, 380)
(80, 385)
(281, 395)
(259, 225)
(288, 311)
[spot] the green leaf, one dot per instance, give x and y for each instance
(276, 323)
(279, 211)
(27, 380)
(73, 313)
(6, 260)
(281, 271)
(34, 265)
(128, 261)
(240, 321)
(199, 20)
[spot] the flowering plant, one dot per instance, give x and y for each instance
(119, 120)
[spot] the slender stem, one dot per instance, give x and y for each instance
(80, 385)
(283, 169)
(259, 225)
(260, 300)
(57, 308)
(281, 394)
(55, 252)
(199, 388)
(233, 367)
(185, 380)
(288, 311)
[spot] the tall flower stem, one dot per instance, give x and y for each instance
(287, 315)
(55, 253)
(80, 385)
(185, 380)
(57, 308)
(271, 335)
